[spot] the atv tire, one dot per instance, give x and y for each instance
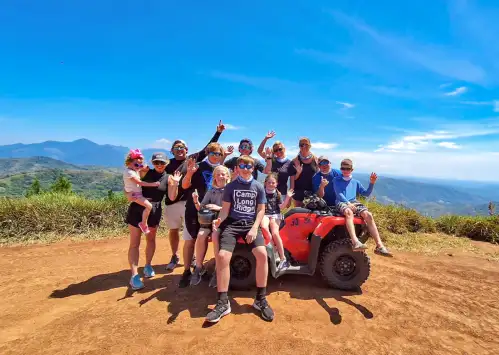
(242, 269)
(343, 268)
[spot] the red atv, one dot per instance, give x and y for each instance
(314, 237)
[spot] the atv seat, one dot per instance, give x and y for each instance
(297, 210)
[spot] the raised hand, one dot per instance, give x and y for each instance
(270, 135)
(298, 166)
(229, 151)
(373, 178)
(176, 177)
(324, 182)
(220, 127)
(290, 193)
(192, 166)
(268, 152)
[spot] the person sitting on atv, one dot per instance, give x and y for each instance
(322, 182)
(346, 189)
(243, 208)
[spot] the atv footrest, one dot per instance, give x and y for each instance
(299, 269)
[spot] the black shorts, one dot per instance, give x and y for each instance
(300, 195)
(134, 214)
(191, 222)
(231, 229)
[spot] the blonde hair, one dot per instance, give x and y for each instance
(278, 144)
(129, 159)
(246, 159)
(227, 172)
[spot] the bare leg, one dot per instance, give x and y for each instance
(274, 228)
(173, 235)
(264, 226)
(133, 249)
(200, 246)
(350, 226)
(151, 245)
(371, 226)
(188, 253)
(223, 270)
(262, 266)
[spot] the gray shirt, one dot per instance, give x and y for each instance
(213, 196)
(244, 199)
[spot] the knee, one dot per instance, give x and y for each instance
(260, 254)
(368, 216)
(348, 213)
(223, 258)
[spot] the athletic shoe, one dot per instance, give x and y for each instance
(359, 246)
(173, 263)
(197, 275)
(383, 251)
(283, 265)
(264, 308)
(186, 278)
(213, 280)
(136, 282)
(149, 271)
(222, 308)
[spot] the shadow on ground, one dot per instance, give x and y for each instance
(196, 299)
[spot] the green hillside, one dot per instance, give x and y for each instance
(25, 165)
(89, 183)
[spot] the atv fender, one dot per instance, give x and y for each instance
(328, 224)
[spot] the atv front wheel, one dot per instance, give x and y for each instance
(242, 269)
(343, 268)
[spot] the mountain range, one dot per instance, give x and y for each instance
(94, 169)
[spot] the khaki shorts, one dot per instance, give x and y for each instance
(174, 215)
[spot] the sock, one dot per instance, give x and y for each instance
(260, 293)
(223, 296)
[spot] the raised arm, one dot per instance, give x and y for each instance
(191, 169)
(268, 161)
(261, 147)
(202, 153)
(287, 201)
(367, 192)
(173, 182)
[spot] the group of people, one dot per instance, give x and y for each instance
(228, 187)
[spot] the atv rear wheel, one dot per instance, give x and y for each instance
(242, 269)
(343, 268)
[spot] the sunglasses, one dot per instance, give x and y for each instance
(157, 162)
(278, 150)
(179, 147)
(345, 168)
(245, 146)
(324, 162)
(137, 165)
(218, 154)
(245, 166)
(304, 145)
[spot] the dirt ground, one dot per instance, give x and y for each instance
(72, 298)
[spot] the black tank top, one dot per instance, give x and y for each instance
(304, 182)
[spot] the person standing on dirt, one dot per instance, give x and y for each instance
(347, 189)
(243, 208)
(198, 178)
(302, 170)
(175, 209)
(322, 181)
(167, 184)
(276, 162)
(245, 148)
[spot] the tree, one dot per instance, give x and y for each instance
(34, 189)
(492, 208)
(110, 195)
(62, 185)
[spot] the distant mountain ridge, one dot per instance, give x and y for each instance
(78, 152)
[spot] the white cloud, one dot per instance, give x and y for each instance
(162, 143)
(231, 127)
(459, 91)
(450, 145)
(346, 105)
(321, 145)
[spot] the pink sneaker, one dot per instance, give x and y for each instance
(144, 228)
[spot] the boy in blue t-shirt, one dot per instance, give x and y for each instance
(347, 189)
(322, 182)
(243, 208)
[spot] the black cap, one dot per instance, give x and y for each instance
(159, 156)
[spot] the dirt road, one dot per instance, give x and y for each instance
(71, 298)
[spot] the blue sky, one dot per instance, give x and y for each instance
(405, 88)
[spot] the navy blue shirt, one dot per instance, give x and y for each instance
(329, 193)
(244, 199)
